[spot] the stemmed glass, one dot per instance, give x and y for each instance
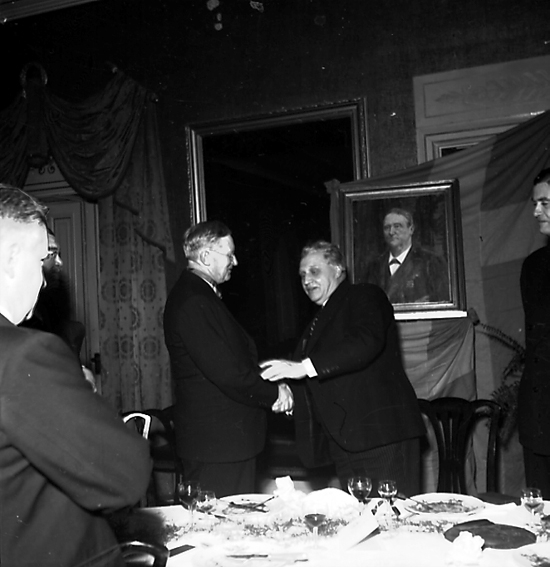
(531, 498)
(359, 487)
(206, 500)
(315, 515)
(388, 491)
(314, 522)
(188, 494)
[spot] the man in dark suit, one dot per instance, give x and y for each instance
(66, 457)
(534, 390)
(408, 273)
(355, 399)
(221, 400)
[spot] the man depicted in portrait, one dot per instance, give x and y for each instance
(407, 272)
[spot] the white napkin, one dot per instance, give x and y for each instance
(354, 532)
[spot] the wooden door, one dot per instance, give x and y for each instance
(74, 223)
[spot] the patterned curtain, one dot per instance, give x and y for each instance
(135, 365)
(135, 372)
(107, 149)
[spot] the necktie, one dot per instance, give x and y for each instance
(394, 265)
(309, 332)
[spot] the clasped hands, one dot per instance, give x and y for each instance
(278, 369)
(285, 401)
(274, 370)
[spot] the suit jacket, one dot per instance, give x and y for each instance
(422, 277)
(66, 457)
(362, 394)
(220, 397)
(534, 390)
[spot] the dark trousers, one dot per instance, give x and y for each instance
(537, 471)
(224, 479)
(397, 461)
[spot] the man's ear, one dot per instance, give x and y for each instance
(11, 256)
(203, 257)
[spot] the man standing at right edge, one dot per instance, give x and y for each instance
(534, 390)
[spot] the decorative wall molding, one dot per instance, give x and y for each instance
(47, 181)
(459, 108)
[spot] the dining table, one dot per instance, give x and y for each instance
(430, 530)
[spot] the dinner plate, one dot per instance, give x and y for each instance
(495, 536)
(444, 503)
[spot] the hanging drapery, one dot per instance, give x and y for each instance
(13, 143)
(108, 151)
(136, 369)
(439, 357)
(92, 141)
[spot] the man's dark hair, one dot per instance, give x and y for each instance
(331, 253)
(20, 206)
(202, 235)
(542, 177)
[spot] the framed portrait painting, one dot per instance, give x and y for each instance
(407, 239)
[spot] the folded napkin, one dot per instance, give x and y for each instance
(353, 533)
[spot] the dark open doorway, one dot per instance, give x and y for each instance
(265, 178)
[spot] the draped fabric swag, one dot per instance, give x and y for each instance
(107, 149)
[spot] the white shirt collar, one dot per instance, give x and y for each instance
(401, 257)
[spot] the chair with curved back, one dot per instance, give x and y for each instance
(453, 421)
(163, 452)
(157, 425)
(141, 420)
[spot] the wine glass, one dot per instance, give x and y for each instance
(206, 500)
(359, 487)
(314, 521)
(531, 498)
(387, 489)
(188, 493)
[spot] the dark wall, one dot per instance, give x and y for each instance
(294, 53)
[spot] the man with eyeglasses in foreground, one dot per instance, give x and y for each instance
(66, 457)
(52, 311)
(221, 400)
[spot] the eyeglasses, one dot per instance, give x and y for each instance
(53, 254)
(230, 255)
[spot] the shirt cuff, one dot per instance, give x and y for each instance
(310, 369)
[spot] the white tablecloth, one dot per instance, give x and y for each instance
(397, 547)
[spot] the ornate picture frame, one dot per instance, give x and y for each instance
(429, 281)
